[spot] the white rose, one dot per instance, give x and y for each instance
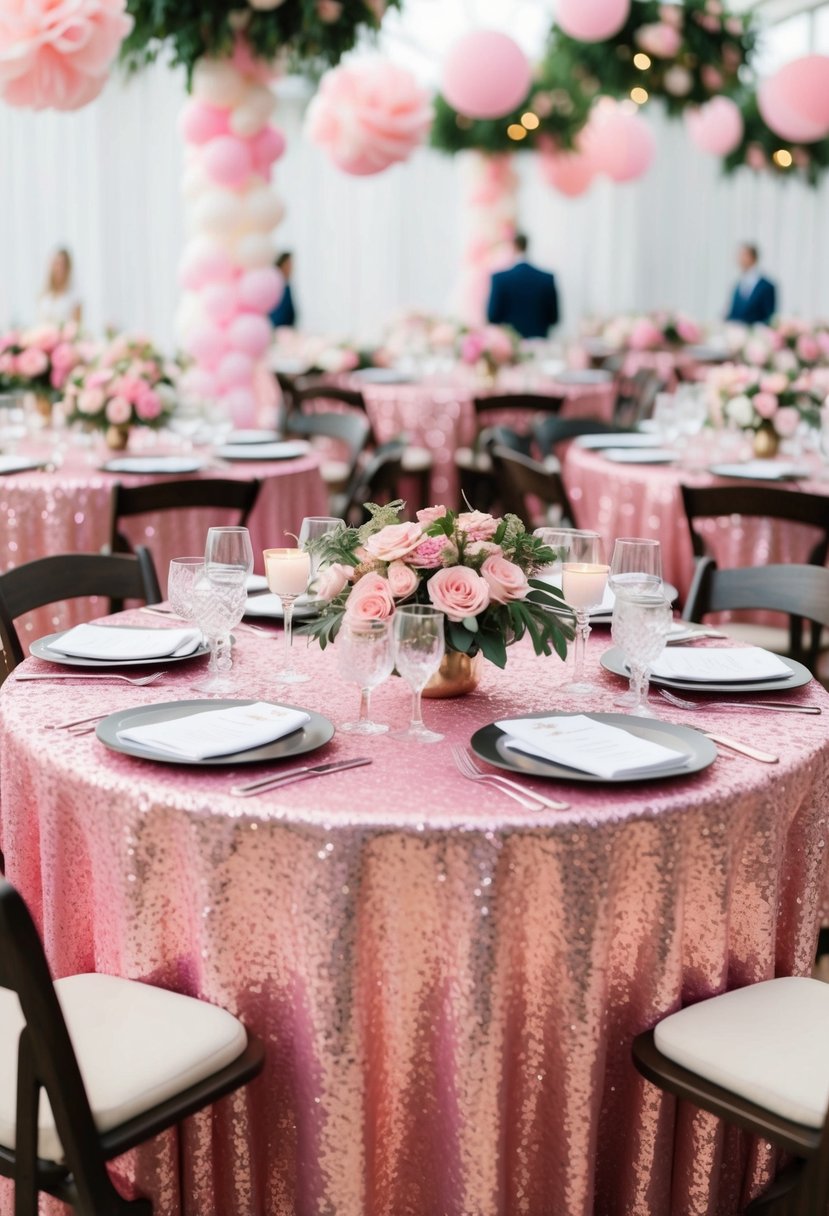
(740, 411)
(786, 361)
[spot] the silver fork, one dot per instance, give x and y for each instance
(467, 767)
(75, 724)
(783, 707)
(138, 681)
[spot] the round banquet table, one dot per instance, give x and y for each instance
(68, 510)
(646, 500)
(439, 415)
(448, 985)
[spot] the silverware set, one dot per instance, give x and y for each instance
(275, 781)
(79, 726)
(782, 707)
(529, 799)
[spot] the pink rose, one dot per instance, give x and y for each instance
(329, 10)
(458, 592)
(370, 600)
(766, 404)
(483, 548)
(331, 581)
(659, 39)
(45, 337)
(118, 410)
(402, 580)
(148, 406)
(91, 401)
(786, 421)
(786, 361)
(32, 362)
(64, 356)
(644, 335)
(687, 330)
(429, 514)
(477, 525)
(775, 383)
(505, 580)
(756, 352)
(807, 348)
(472, 347)
(394, 541)
(129, 386)
(433, 551)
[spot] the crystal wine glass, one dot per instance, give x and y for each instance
(641, 624)
(288, 571)
(181, 579)
(418, 649)
(313, 527)
(218, 605)
(365, 657)
(583, 580)
(228, 554)
(636, 566)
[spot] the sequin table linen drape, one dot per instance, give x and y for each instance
(68, 511)
(448, 985)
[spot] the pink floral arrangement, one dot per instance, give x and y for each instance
(494, 345)
(659, 330)
(751, 397)
(56, 54)
(474, 568)
(39, 360)
(789, 345)
(129, 384)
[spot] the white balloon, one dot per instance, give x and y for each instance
(189, 314)
(218, 211)
(217, 82)
(194, 181)
(263, 209)
(253, 111)
(254, 250)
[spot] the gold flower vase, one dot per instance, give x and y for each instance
(117, 438)
(766, 441)
(457, 675)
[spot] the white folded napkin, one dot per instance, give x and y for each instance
(591, 747)
(218, 732)
(271, 605)
(720, 665)
(121, 645)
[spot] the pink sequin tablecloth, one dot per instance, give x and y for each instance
(439, 415)
(68, 511)
(448, 985)
(646, 500)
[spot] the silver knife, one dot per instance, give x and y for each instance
(779, 707)
(295, 774)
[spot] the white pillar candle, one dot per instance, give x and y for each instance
(583, 584)
(287, 570)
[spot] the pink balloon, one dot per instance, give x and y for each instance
(261, 290)
(619, 143)
(240, 406)
(204, 263)
(228, 160)
(235, 370)
(570, 173)
(486, 74)
(592, 20)
(266, 147)
(794, 102)
(206, 343)
(197, 382)
(221, 302)
(716, 127)
(199, 122)
(250, 334)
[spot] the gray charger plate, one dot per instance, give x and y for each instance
(694, 751)
(40, 649)
(613, 661)
(314, 735)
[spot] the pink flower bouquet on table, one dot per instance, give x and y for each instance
(475, 569)
(129, 384)
(656, 331)
(751, 397)
(788, 345)
(493, 345)
(40, 360)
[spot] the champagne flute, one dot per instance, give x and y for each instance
(418, 649)
(584, 578)
(288, 571)
(181, 578)
(364, 654)
(313, 527)
(641, 624)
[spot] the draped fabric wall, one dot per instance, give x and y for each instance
(105, 181)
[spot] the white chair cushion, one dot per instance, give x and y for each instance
(417, 460)
(334, 472)
(465, 458)
(136, 1046)
(768, 1043)
(770, 637)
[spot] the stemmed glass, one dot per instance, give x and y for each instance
(636, 566)
(641, 624)
(418, 649)
(313, 527)
(365, 658)
(288, 571)
(181, 578)
(217, 606)
(228, 554)
(583, 580)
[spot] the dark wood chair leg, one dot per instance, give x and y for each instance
(822, 942)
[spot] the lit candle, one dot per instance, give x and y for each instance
(583, 584)
(287, 570)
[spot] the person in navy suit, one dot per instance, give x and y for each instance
(285, 313)
(523, 297)
(755, 297)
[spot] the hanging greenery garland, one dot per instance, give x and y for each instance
(763, 151)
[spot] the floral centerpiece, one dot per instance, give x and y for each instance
(416, 335)
(789, 345)
(129, 384)
(474, 568)
(490, 346)
(39, 360)
(656, 331)
(771, 403)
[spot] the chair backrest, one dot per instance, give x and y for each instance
(505, 437)
(764, 502)
(799, 591)
(48, 580)
(318, 397)
(377, 479)
(350, 428)
(218, 494)
(45, 1060)
(551, 431)
(527, 403)
(519, 478)
(637, 397)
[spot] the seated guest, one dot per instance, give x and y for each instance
(58, 303)
(285, 313)
(755, 297)
(523, 296)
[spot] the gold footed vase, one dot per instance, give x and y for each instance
(766, 441)
(457, 675)
(117, 438)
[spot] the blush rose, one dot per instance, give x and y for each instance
(458, 591)
(394, 541)
(371, 600)
(505, 580)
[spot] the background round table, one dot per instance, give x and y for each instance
(448, 985)
(646, 500)
(68, 510)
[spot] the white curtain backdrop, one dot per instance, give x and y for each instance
(105, 182)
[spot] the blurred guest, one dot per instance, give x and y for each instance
(285, 313)
(58, 303)
(523, 296)
(755, 297)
